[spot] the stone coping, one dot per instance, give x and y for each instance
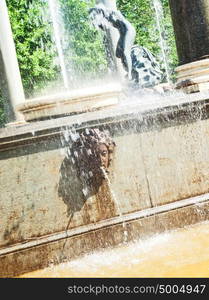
(193, 65)
(193, 77)
(125, 110)
(83, 93)
(70, 102)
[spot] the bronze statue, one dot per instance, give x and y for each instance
(102, 18)
(140, 64)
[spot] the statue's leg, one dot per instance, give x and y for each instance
(123, 50)
(120, 48)
(124, 55)
(128, 62)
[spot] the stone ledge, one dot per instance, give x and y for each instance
(67, 248)
(165, 112)
(72, 102)
(193, 77)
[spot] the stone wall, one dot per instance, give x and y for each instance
(161, 157)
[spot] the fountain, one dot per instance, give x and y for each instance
(54, 8)
(89, 170)
(159, 12)
(70, 101)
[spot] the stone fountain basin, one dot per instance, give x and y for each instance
(159, 176)
(70, 102)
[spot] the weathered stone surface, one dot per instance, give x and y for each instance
(46, 195)
(176, 162)
(63, 250)
(129, 183)
(161, 156)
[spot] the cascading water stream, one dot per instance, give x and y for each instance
(54, 9)
(159, 16)
(116, 202)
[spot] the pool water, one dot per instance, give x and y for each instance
(179, 253)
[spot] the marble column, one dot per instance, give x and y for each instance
(10, 79)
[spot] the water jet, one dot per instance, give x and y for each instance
(56, 204)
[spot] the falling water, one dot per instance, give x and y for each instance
(116, 202)
(159, 16)
(54, 9)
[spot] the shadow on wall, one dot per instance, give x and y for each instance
(84, 171)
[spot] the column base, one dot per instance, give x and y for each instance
(16, 123)
(70, 102)
(193, 77)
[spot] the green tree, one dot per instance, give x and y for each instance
(84, 49)
(33, 40)
(141, 14)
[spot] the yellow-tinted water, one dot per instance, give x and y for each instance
(180, 253)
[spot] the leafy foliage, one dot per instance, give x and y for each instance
(84, 50)
(141, 14)
(33, 40)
